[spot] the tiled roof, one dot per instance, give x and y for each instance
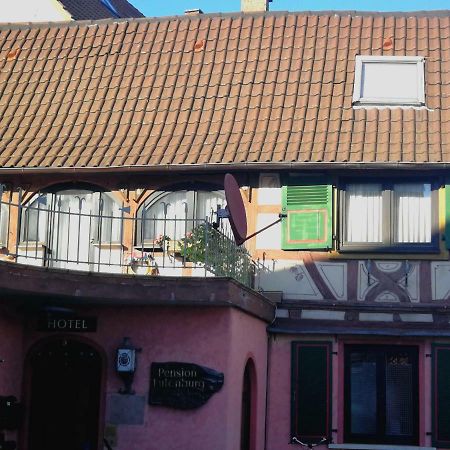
(209, 89)
(96, 9)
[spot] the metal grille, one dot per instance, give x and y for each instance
(399, 399)
(81, 232)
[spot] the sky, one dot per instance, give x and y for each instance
(177, 7)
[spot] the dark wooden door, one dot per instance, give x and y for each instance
(65, 396)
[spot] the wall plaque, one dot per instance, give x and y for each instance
(182, 385)
(67, 323)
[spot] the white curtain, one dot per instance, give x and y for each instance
(4, 219)
(413, 212)
(167, 216)
(364, 213)
(176, 213)
(35, 220)
(110, 218)
(73, 232)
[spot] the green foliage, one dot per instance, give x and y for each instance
(218, 253)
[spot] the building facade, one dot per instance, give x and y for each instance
(132, 320)
(59, 10)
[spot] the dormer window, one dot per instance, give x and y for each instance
(389, 80)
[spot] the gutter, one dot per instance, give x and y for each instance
(220, 167)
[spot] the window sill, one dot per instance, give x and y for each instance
(108, 245)
(32, 245)
(367, 105)
(377, 447)
(406, 249)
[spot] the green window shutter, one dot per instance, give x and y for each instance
(311, 391)
(447, 216)
(308, 221)
(441, 396)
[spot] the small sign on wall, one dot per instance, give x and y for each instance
(182, 385)
(126, 360)
(67, 323)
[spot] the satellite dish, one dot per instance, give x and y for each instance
(236, 209)
(235, 212)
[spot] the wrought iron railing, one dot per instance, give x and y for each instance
(68, 234)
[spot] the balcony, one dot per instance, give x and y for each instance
(68, 234)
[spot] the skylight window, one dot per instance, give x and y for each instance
(111, 7)
(389, 80)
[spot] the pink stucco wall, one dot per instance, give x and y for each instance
(11, 354)
(220, 338)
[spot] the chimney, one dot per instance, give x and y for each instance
(193, 12)
(255, 5)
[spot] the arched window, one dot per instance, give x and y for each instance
(174, 214)
(69, 223)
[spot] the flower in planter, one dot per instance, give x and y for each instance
(161, 239)
(194, 244)
(137, 259)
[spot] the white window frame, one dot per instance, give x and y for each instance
(418, 61)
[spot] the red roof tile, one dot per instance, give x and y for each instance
(208, 89)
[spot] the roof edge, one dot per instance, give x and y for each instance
(353, 13)
(220, 167)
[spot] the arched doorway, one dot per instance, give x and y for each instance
(248, 407)
(66, 379)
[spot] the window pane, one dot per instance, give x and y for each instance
(34, 219)
(413, 212)
(364, 213)
(174, 214)
(399, 394)
(4, 218)
(389, 81)
(207, 204)
(110, 218)
(168, 216)
(363, 393)
(72, 228)
(310, 391)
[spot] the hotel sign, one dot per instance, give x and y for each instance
(67, 323)
(182, 385)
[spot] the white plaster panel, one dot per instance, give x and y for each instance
(440, 280)
(387, 297)
(390, 266)
(410, 317)
(37, 260)
(376, 317)
(176, 271)
(196, 272)
(292, 278)
(108, 260)
(270, 238)
(269, 192)
(335, 277)
(323, 314)
(365, 282)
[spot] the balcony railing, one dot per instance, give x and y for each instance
(70, 236)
